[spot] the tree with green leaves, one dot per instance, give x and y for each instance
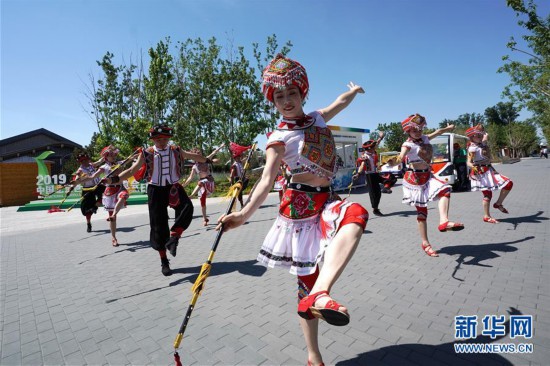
(207, 98)
(464, 121)
(530, 81)
(394, 137)
(502, 114)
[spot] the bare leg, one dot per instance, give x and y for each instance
(337, 256)
(443, 210)
(203, 208)
(120, 203)
(310, 328)
(423, 230)
(112, 227)
(486, 208)
(502, 196)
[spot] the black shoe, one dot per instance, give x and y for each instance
(166, 267)
(386, 190)
(377, 212)
(172, 245)
(89, 229)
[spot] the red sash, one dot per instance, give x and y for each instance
(479, 169)
(300, 205)
(111, 190)
(417, 178)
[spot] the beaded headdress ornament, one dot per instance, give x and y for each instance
(281, 73)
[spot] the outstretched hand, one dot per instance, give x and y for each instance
(355, 88)
(230, 221)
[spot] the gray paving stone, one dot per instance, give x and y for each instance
(75, 358)
(13, 359)
(95, 358)
(402, 307)
(55, 358)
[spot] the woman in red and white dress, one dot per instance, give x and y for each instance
(419, 185)
(312, 223)
(115, 194)
(205, 186)
(483, 176)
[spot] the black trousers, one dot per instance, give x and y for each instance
(462, 177)
(373, 182)
(158, 200)
(88, 204)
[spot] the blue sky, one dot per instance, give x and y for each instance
(438, 58)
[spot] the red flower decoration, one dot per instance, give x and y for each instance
(302, 203)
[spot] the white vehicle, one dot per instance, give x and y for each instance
(443, 153)
(396, 170)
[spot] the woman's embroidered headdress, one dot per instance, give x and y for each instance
(281, 73)
(475, 131)
(413, 121)
(109, 150)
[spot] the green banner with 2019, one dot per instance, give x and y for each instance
(50, 187)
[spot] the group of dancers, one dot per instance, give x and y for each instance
(313, 224)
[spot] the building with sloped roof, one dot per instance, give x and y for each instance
(24, 147)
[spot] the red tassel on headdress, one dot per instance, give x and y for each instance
(237, 150)
(177, 358)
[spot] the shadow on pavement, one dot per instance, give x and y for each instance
(531, 219)
(396, 213)
(426, 354)
(267, 206)
(126, 229)
(248, 268)
(133, 248)
(479, 253)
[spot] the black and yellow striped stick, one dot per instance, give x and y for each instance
(198, 286)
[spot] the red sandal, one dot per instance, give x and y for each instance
(328, 313)
(450, 226)
(500, 207)
(427, 248)
(309, 363)
(490, 220)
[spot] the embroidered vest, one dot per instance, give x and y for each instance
(149, 155)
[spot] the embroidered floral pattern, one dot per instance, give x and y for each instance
(417, 178)
(301, 204)
(319, 149)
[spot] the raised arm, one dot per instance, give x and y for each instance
(400, 157)
(81, 177)
(98, 163)
(381, 135)
(190, 178)
(341, 102)
(439, 131)
(215, 151)
(125, 174)
(132, 169)
(195, 157)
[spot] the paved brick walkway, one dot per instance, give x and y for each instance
(68, 297)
